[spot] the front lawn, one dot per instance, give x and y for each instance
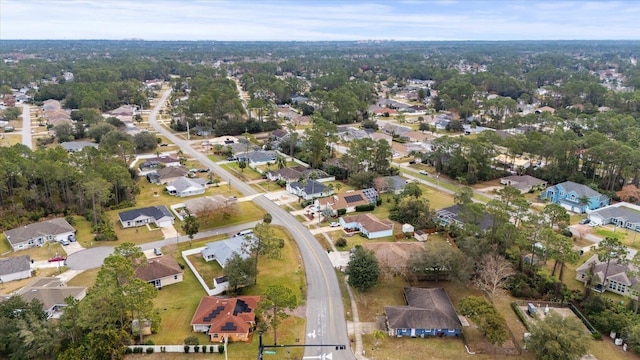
(246, 174)
(247, 212)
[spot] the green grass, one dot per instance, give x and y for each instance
(247, 175)
(84, 233)
(5, 247)
(86, 278)
(137, 235)
(629, 238)
(247, 211)
(208, 270)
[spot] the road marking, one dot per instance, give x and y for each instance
(312, 334)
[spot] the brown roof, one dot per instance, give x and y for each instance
(370, 222)
(342, 201)
(426, 309)
(172, 171)
(226, 315)
(158, 268)
(394, 253)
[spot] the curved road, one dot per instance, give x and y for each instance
(326, 323)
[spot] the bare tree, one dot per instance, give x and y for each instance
(493, 272)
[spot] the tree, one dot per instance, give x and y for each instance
(242, 164)
(263, 242)
(281, 162)
(239, 272)
(492, 274)
(438, 262)
(463, 196)
(629, 193)
(267, 218)
(412, 189)
(556, 215)
(191, 226)
(486, 317)
(363, 269)
(145, 141)
(64, 132)
(558, 338)
(634, 272)
(277, 299)
(97, 190)
(413, 211)
(610, 249)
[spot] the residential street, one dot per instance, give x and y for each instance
(326, 323)
(26, 126)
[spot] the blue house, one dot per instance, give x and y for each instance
(569, 195)
(429, 312)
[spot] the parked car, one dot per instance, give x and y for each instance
(71, 238)
(57, 258)
(157, 251)
(64, 242)
(423, 172)
(243, 233)
(584, 221)
(334, 224)
(164, 144)
(593, 224)
(203, 170)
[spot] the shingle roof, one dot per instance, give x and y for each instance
(171, 172)
(579, 189)
(49, 293)
(369, 222)
(158, 268)
(311, 187)
(619, 212)
(156, 212)
(223, 250)
(77, 145)
(451, 213)
(616, 271)
(226, 315)
(426, 309)
(15, 264)
(182, 184)
(32, 231)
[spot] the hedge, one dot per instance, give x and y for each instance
(367, 207)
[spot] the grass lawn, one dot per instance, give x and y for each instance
(247, 175)
(84, 234)
(9, 140)
(5, 247)
(247, 211)
(11, 286)
(86, 278)
(629, 238)
(48, 250)
(208, 270)
(137, 235)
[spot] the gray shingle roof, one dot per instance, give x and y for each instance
(579, 189)
(156, 212)
(183, 184)
(223, 250)
(426, 309)
(16, 264)
(619, 212)
(43, 228)
(451, 213)
(312, 186)
(77, 145)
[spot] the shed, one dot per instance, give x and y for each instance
(407, 228)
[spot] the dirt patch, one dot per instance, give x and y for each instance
(300, 311)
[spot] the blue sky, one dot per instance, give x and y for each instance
(265, 20)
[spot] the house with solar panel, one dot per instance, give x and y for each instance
(348, 201)
(232, 319)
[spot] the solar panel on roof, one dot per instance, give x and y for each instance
(353, 198)
(229, 327)
(241, 307)
(214, 313)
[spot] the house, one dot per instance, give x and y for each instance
(524, 183)
(158, 162)
(441, 124)
(160, 271)
(309, 189)
(124, 110)
(417, 136)
(621, 214)
(380, 136)
(617, 279)
(575, 197)
(429, 312)
(395, 255)
(407, 229)
(15, 268)
(258, 157)
(226, 318)
(512, 162)
(279, 134)
(183, 186)
(77, 146)
(221, 251)
(287, 174)
(37, 234)
(52, 293)
(390, 184)
(157, 215)
(394, 129)
(548, 109)
(451, 215)
(348, 201)
(368, 225)
(167, 174)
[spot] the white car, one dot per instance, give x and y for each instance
(423, 172)
(334, 224)
(593, 224)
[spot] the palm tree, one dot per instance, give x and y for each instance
(338, 186)
(281, 162)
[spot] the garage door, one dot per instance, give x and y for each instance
(165, 223)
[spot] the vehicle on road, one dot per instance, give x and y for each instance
(57, 258)
(243, 233)
(423, 172)
(584, 221)
(334, 224)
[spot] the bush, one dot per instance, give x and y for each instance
(378, 201)
(204, 348)
(149, 342)
(211, 349)
(149, 350)
(341, 242)
(521, 316)
(128, 350)
(191, 340)
(186, 349)
(367, 207)
(196, 348)
(341, 212)
(220, 349)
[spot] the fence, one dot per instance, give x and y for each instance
(571, 307)
(210, 292)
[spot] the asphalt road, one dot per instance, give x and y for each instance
(326, 323)
(26, 126)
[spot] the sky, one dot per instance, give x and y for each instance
(309, 20)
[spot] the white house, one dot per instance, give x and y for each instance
(311, 190)
(186, 187)
(367, 224)
(616, 280)
(37, 234)
(621, 214)
(158, 215)
(15, 268)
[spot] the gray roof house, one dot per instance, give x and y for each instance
(52, 294)
(617, 279)
(258, 157)
(451, 215)
(15, 268)
(158, 215)
(287, 174)
(524, 183)
(77, 146)
(621, 214)
(429, 312)
(222, 251)
(309, 190)
(167, 174)
(391, 184)
(186, 187)
(37, 234)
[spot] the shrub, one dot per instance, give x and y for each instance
(341, 212)
(378, 201)
(149, 342)
(128, 350)
(196, 348)
(367, 207)
(220, 349)
(341, 242)
(149, 350)
(186, 349)
(204, 348)
(191, 340)
(211, 349)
